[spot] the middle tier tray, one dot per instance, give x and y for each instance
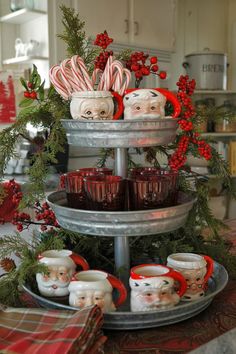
(120, 133)
(120, 223)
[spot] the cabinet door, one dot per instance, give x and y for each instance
(105, 15)
(153, 23)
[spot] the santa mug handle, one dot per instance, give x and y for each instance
(210, 267)
(79, 260)
(120, 105)
(169, 97)
(117, 284)
(180, 279)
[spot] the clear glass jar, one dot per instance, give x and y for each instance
(226, 122)
(200, 106)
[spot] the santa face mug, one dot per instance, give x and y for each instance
(196, 270)
(95, 287)
(153, 287)
(95, 105)
(61, 266)
(148, 103)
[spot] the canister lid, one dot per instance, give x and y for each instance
(206, 51)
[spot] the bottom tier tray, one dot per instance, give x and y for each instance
(123, 320)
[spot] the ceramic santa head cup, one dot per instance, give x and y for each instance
(61, 266)
(196, 270)
(149, 103)
(95, 287)
(153, 287)
(95, 105)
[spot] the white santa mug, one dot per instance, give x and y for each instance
(95, 287)
(149, 103)
(96, 105)
(61, 266)
(196, 270)
(153, 287)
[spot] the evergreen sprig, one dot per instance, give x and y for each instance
(75, 38)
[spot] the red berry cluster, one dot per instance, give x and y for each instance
(43, 213)
(19, 219)
(101, 59)
(186, 85)
(178, 159)
(138, 64)
(185, 125)
(204, 149)
(103, 40)
(13, 188)
(30, 93)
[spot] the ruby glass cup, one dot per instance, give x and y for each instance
(148, 192)
(74, 185)
(105, 192)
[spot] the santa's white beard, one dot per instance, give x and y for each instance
(52, 288)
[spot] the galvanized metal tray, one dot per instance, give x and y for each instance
(121, 134)
(120, 223)
(124, 319)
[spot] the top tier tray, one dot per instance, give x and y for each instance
(120, 134)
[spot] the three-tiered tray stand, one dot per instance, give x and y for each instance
(121, 225)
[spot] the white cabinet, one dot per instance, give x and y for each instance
(101, 15)
(149, 24)
(153, 23)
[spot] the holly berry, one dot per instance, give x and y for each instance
(154, 68)
(27, 94)
(162, 75)
(33, 95)
(153, 60)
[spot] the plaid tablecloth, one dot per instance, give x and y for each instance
(36, 331)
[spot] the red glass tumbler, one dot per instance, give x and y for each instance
(148, 192)
(91, 171)
(105, 192)
(74, 186)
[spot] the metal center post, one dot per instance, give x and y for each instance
(121, 243)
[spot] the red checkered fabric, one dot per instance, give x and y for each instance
(40, 331)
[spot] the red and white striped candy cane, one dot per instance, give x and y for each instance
(96, 76)
(106, 79)
(57, 81)
(68, 77)
(126, 81)
(117, 75)
(80, 72)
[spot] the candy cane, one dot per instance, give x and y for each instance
(68, 77)
(106, 79)
(79, 71)
(126, 82)
(96, 76)
(56, 80)
(117, 69)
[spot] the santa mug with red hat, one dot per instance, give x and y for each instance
(61, 266)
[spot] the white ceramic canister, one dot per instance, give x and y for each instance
(208, 68)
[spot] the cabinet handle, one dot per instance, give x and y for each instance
(136, 28)
(126, 26)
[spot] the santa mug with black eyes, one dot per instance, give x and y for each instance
(196, 270)
(95, 287)
(153, 287)
(96, 105)
(149, 103)
(61, 265)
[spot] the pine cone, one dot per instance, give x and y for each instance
(7, 264)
